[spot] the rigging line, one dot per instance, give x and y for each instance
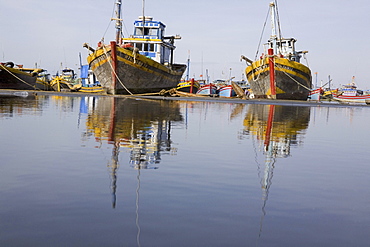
(106, 30)
(278, 19)
(305, 58)
(263, 30)
(20, 78)
(115, 74)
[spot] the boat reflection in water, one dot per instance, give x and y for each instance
(276, 128)
(141, 126)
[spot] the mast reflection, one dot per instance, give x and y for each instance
(276, 128)
(141, 126)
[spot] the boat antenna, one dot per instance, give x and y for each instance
(143, 18)
(188, 67)
(118, 20)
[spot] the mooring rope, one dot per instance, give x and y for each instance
(115, 74)
(297, 81)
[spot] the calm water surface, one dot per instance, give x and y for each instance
(104, 171)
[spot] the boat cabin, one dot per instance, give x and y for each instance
(149, 39)
(285, 48)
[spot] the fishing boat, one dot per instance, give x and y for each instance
(190, 86)
(13, 76)
(89, 83)
(208, 89)
(66, 81)
(278, 73)
(226, 91)
(350, 94)
(140, 63)
(315, 94)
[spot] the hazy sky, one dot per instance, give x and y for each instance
(214, 32)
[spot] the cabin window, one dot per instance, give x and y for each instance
(147, 31)
(148, 47)
(139, 46)
(145, 46)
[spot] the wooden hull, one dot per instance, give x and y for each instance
(59, 84)
(315, 94)
(292, 79)
(188, 87)
(95, 89)
(207, 89)
(226, 91)
(12, 78)
(135, 73)
(352, 99)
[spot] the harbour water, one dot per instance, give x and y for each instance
(106, 171)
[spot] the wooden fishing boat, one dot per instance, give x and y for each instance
(190, 86)
(226, 91)
(315, 94)
(89, 83)
(352, 99)
(141, 63)
(66, 81)
(208, 89)
(278, 73)
(350, 94)
(14, 76)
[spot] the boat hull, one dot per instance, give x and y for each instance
(94, 89)
(292, 79)
(12, 78)
(352, 99)
(315, 94)
(135, 73)
(226, 91)
(188, 86)
(209, 89)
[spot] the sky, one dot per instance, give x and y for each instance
(215, 33)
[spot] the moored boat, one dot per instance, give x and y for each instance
(350, 94)
(315, 94)
(190, 86)
(278, 73)
(13, 76)
(89, 83)
(226, 91)
(208, 89)
(140, 63)
(66, 81)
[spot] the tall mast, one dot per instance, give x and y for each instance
(273, 27)
(143, 18)
(118, 22)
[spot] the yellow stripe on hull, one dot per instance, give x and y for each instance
(264, 65)
(143, 59)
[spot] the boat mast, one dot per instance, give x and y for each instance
(143, 19)
(273, 27)
(271, 53)
(118, 20)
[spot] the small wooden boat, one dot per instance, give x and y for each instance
(66, 81)
(208, 89)
(89, 83)
(315, 94)
(13, 76)
(350, 94)
(352, 99)
(191, 86)
(226, 91)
